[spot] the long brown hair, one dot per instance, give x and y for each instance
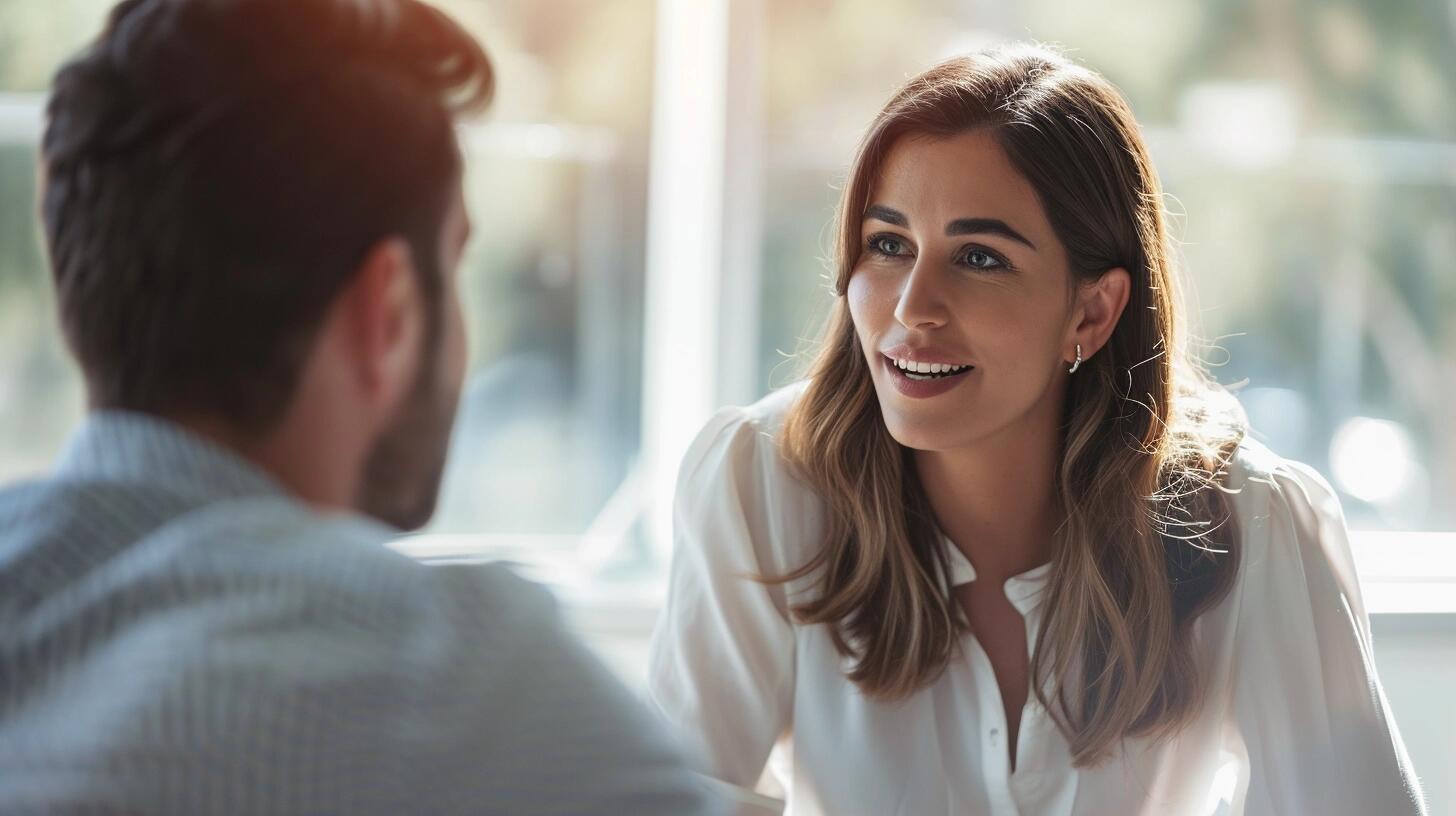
(1146, 541)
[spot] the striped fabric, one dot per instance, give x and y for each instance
(179, 636)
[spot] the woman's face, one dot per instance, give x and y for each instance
(961, 277)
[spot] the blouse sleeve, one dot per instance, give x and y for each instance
(721, 665)
(1312, 718)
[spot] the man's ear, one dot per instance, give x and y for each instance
(385, 315)
(1100, 304)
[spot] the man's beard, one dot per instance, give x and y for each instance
(402, 472)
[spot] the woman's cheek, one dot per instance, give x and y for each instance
(869, 304)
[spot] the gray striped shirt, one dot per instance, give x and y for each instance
(180, 636)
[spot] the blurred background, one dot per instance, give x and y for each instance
(652, 193)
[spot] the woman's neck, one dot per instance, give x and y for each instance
(997, 500)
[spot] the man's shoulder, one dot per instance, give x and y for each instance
(256, 633)
(43, 503)
(259, 594)
(129, 542)
(56, 532)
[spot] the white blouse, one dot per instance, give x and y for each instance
(1295, 721)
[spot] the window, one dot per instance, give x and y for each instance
(652, 219)
(652, 193)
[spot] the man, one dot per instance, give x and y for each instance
(253, 212)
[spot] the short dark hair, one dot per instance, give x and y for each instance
(216, 170)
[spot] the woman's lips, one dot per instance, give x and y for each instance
(924, 388)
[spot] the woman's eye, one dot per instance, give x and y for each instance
(887, 245)
(978, 259)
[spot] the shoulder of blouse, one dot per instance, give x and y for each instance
(735, 464)
(1289, 515)
(738, 434)
(1262, 481)
(768, 415)
(1261, 478)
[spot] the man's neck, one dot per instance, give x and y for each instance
(302, 462)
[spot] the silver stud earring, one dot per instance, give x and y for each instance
(1078, 364)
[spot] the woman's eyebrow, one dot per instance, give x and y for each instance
(960, 226)
(880, 212)
(995, 226)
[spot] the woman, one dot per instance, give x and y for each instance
(1007, 550)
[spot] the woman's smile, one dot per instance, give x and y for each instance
(922, 380)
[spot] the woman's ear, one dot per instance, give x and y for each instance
(1100, 304)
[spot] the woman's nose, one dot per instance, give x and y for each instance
(921, 305)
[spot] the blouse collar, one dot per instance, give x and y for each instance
(1025, 591)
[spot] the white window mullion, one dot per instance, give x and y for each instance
(684, 243)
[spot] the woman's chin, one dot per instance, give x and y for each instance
(925, 434)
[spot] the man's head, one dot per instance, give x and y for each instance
(253, 210)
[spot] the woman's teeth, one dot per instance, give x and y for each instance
(928, 371)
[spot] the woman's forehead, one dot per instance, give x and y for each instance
(930, 179)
